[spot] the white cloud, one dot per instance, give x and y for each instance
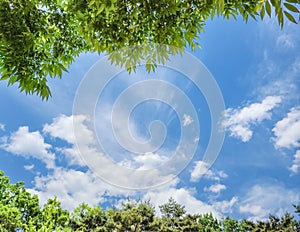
(287, 130)
(258, 203)
(296, 163)
(201, 170)
(117, 131)
(72, 155)
(134, 175)
(150, 160)
(29, 167)
(226, 206)
(187, 120)
(2, 127)
(186, 197)
(182, 196)
(239, 121)
(216, 188)
(287, 135)
(63, 127)
(73, 187)
(29, 145)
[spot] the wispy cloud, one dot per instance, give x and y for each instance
(258, 203)
(239, 121)
(29, 167)
(277, 55)
(2, 127)
(286, 41)
(275, 77)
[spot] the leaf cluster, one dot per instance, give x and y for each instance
(41, 38)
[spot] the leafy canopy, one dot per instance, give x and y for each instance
(41, 38)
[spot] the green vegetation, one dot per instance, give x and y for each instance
(20, 211)
(41, 38)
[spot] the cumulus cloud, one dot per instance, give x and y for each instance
(73, 187)
(29, 145)
(201, 170)
(134, 173)
(62, 127)
(239, 121)
(145, 161)
(184, 197)
(149, 160)
(287, 130)
(287, 135)
(216, 188)
(265, 199)
(187, 120)
(296, 163)
(226, 207)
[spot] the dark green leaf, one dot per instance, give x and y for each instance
(290, 17)
(291, 7)
(268, 8)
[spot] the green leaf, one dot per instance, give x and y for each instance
(148, 67)
(268, 8)
(291, 7)
(280, 19)
(12, 80)
(293, 1)
(290, 17)
(262, 12)
(63, 67)
(101, 8)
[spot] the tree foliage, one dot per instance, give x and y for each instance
(41, 38)
(20, 211)
(17, 206)
(297, 207)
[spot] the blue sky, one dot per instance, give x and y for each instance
(257, 68)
